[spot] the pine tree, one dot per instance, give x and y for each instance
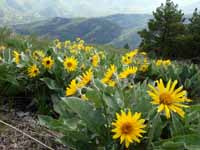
(166, 25)
(194, 26)
(194, 32)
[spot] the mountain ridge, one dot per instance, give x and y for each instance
(117, 30)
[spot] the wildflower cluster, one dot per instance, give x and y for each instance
(102, 103)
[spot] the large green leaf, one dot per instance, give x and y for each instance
(62, 125)
(94, 96)
(180, 142)
(176, 126)
(50, 83)
(91, 116)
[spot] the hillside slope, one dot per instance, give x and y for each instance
(116, 30)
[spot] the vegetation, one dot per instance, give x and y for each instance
(12, 40)
(99, 100)
(170, 35)
(99, 97)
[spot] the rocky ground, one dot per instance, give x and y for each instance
(10, 139)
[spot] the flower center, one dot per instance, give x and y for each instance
(165, 98)
(126, 128)
(69, 64)
(48, 62)
(35, 71)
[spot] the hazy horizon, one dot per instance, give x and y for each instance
(92, 8)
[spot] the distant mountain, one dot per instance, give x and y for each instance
(116, 30)
(129, 20)
(24, 11)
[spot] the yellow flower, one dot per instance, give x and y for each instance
(2, 48)
(127, 72)
(109, 75)
(16, 56)
(33, 71)
(81, 41)
(145, 60)
(128, 57)
(102, 54)
(95, 60)
(83, 66)
(67, 43)
(128, 127)
(132, 53)
(56, 41)
(160, 62)
(87, 48)
(111, 83)
(72, 89)
(126, 60)
(168, 98)
(47, 62)
(84, 97)
(70, 64)
(86, 78)
(73, 51)
(1, 59)
(167, 62)
(144, 67)
(78, 39)
(59, 45)
(38, 54)
(143, 53)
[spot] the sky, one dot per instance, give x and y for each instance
(93, 8)
(106, 7)
(141, 6)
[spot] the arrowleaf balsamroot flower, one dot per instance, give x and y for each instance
(160, 62)
(70, 64)
(144, 67)
(33, 71)
(16, 56)
(72, 89)
(95, 60)
(127, 72)
(168, 98)
(47, 62)
(128, 127)
(86, 78)
(109, 75)
(38, 54)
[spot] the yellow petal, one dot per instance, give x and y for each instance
(161, 107)
(173, 86)
(167, 112)
(168, 85)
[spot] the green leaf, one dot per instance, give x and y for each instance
(177, 126)
(189, 140)
(99, 84)
(87, 113)
(50, 83)
(111, 102)
(62, 125)
(195, 107)
(94, 96)
(76, 140)
(173, 145)
(156, 127)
